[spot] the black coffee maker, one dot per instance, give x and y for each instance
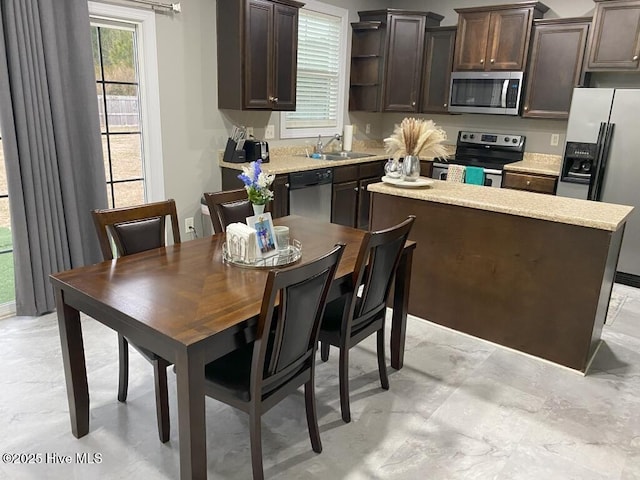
(256, 149)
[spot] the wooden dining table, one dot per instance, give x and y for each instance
(186, 304)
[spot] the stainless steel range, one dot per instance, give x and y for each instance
(491, 151)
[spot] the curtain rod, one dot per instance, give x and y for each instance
(173, 7)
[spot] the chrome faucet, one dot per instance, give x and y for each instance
(320, 147)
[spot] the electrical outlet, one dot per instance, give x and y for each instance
(367, 128)
(188, 224)
(249, 131)
(269, 132)
(555, 139)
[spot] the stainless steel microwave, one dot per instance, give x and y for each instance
(485, 92)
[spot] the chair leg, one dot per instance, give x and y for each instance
(344, 383)
(123, 378)
(162, 398)
(312, 415)
(382, 366)
(255, 434)
(324, 351)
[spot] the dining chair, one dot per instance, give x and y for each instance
(132, 230)
(358, 314)
(258, 375)
(229, 206)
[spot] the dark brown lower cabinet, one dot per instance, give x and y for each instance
(426, 167)
(344, 203)
(530, 182)
(555, 67)
(280, 187)
(350, 199)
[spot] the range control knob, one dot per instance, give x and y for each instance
(506, 139)
(514, 140)
(472, 136)
(464, 136)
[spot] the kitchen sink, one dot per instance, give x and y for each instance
(343, 155)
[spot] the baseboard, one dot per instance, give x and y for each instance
(628, 279)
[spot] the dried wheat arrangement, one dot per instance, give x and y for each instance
(415, 136)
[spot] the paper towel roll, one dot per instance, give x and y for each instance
(347, 138)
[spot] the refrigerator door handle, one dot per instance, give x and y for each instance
(596, 166)
(602, 167)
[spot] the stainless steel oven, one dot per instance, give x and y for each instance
(491, 151)
(492, 178)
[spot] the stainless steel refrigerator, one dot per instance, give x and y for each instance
(602, 161)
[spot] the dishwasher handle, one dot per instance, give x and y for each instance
(310, 178)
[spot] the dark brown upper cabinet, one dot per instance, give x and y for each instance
(386, 59)
(257, 54)
(555, 66)
(614, 43)
(495, 38)
(436, 72)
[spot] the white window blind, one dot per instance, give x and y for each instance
(320, 72)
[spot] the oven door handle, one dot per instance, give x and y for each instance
(503, 98)
(445, 166)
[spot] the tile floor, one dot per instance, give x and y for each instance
(460, 409)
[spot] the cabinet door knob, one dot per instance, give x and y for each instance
(526, 109)
(528, 182)
(635, 57)
(493, 60)
(355, 189)
(445, 105)
(413, 104)
(275, 99)
(482, 60)
(286, 185)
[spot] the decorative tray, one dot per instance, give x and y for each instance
(286, 256)
(417, 183)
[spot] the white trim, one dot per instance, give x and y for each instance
(145, 21)
(317, 6)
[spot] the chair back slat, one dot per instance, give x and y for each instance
(377, 261)
(135, 229)
(229, 206)
(288, 334)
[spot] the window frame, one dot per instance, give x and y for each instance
(145, 24)
(343, 14)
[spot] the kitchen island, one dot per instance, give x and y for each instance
(528, 271)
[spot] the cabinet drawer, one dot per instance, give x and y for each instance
(530, 182)
(348, 173)
(372, 169)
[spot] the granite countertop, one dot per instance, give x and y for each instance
(537, 163)
(599, 215)
(293, 159)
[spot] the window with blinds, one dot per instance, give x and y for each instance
(321, 73)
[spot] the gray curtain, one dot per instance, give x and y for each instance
(51, 136)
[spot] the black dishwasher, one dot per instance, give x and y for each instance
(310, 193)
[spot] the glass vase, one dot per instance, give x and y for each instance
(411, 168)
(258, 209)
(393, 168)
